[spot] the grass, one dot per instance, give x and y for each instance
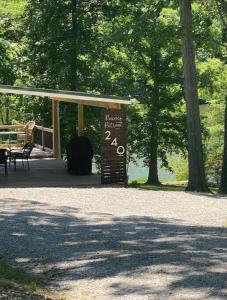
(18, 280)
(15, 276)
(165, 186)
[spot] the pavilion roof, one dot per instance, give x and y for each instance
(67, 96)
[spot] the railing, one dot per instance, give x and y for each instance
(43, 137)
(7, 140)
(15, 127)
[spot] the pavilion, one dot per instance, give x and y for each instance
(110, 104)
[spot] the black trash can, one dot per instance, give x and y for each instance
(79, 154)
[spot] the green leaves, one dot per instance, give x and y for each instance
(12, 8)
(116, 47)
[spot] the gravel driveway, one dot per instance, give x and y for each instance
(115, 243)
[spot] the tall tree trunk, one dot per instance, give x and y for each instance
(69, 109)
(197, 179)
(153, 166)
(223, 185)
(154, 116)
(74, 47)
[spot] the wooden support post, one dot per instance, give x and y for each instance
(80, 119)
(56, 129)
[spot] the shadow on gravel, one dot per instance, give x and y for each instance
(213, 196)
(66, 246)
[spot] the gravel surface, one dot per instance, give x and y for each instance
(115, 243)
(20, 294)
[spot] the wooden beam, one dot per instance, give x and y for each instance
(11, 126)
(89, 103)
(61, 94)
(56, 129)
(80, 119)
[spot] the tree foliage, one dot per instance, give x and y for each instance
(142, 59)
(124, 48)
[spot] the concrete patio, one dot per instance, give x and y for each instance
(44, 172)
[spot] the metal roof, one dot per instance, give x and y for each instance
(61, 95)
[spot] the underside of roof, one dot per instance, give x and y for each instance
(67, 96)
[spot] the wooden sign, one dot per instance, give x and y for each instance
(113, 148)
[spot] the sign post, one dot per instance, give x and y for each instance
(114, 143)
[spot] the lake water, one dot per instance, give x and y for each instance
(138, 170)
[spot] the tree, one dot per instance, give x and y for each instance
(8, 67)
(223, 185)
(197, 179)
(212, 88)
(222, 8)
(61, 38)
(210, 36)
(141, 58)
(73, 70)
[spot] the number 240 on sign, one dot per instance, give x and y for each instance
(120, 149)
